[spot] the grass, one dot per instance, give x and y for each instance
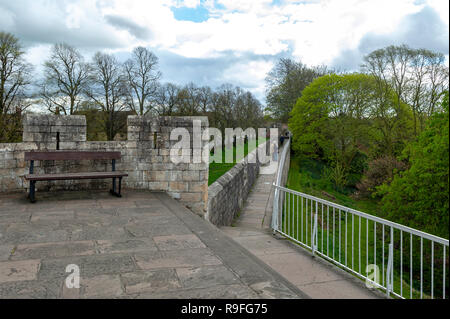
(337, 230)
(218, 169)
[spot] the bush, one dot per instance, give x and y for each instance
(380, 171)
(337, 175)
(356, 170)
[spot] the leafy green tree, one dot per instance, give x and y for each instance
(419, 196)
(330, 120)
(285, 83)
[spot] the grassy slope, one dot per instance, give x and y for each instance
(305, 176)
(218, 169)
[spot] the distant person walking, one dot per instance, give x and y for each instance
(274, 151)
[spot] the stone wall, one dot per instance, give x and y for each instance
(187, 182)
(145, 157)
(227, 195)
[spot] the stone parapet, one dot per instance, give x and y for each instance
(145, 157)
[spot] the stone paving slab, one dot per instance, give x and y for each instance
(178, 258)
(206, 276)
(52, 250)
(19, 270)
(143, 245)
(216, 292)
(5, 252)
(125, 245)
(173, 242)
(159, 280)
(263, 245)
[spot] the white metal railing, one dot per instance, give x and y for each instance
(365, 245)
(281, 161)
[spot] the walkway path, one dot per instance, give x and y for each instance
(311, 275)
(143, 245)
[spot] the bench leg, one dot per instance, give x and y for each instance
(113, 190)
(32, 191)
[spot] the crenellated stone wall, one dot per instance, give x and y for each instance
(187, 182)
(145, 157)
(227, 195)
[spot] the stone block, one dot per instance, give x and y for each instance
(178, 187)
(158, 186)
(191, 197)
(198, 187)
(189, 176)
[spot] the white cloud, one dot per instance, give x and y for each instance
(442, 7)
(250, 75)
(74, 15)
(189, 3)
(315, 31)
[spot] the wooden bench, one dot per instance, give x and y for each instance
(72, 155)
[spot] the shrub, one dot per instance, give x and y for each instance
(337, 175)
(380, 171)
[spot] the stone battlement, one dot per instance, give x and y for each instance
(145, 157)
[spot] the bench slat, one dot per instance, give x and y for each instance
(65, 176)
(70, 155)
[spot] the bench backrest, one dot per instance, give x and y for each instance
(70, 155)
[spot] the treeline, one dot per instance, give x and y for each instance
(107, 90)
(382, 132)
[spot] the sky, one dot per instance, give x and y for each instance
(211, 42)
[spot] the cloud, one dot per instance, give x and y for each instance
(210, 42)
(423, 29)
(133, 28)
(247, 71)
(58, 21)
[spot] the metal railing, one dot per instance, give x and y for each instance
(402, 261)
(282, 160)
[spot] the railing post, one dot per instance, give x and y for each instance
(276, 199)
(314, 233)
(277, 209)
(390, 266)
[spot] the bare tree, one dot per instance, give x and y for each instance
(15, 75)
(142, 78)
(433, 83)
(223, 106)
(108, 91)
(167, 99)
(418, 77)
(66, 78)
(189, 100)
(204, 98)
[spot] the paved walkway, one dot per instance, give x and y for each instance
(143, 245)
(311, 275)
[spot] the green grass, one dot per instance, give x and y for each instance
(305, 176)
(218, 169)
